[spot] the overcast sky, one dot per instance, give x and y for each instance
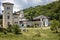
(22, 4)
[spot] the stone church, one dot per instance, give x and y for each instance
(10, 18)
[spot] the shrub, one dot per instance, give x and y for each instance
(37, 35)
(10, 28)
(59, 36)
(4, 31)
(54, 26)
(59, 25)
(1, 29)
(16, 29)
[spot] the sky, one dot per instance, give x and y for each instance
(22, 4)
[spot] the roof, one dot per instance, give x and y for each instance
(23, 19)
(16, 13)
(8, 3)
(41, 16)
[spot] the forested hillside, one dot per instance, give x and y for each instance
(51, 10)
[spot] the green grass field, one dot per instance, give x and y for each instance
(46, 34)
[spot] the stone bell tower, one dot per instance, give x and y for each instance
(7, 14)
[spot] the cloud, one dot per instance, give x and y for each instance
(11, 1)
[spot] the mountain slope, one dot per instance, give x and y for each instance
(51, 10)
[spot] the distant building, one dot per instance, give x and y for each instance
(41, 20)
(10, 18)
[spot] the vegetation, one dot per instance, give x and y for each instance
(14, 29)
(55, 25)
(46, 34)
(0, 21)
(0, 16)
(51, 10)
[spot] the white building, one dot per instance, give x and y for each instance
(10, 18)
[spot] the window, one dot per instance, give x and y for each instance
(8, 17)
(8, 23)
(8, 12)
(8, 7)
(21, 22)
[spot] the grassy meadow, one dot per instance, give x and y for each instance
(31, 34)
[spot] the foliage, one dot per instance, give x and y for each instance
(59, 36)
(1, 29)
(46, 35)
(0, 21)
(10, 29)
(59, 25)
(4, 31)
(16, 29)
(37, 35)
(51, 10)
(55, 25)
(0, 16)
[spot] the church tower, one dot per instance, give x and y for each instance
(7, 14)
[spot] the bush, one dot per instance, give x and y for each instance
(4, 31)
(16, 29)
(10, 29)
(13, 29)
(59, 25)
(54, 26)
(1, 29)
(59, 36)
(37, 35)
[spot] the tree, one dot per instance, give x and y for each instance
(0, 21)
(51, 10)
(55, 25)
(10, 28)
(13, 29)
(16, 29)
(1, 29)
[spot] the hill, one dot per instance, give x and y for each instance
(51, 10)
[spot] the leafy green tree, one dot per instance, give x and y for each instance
(10, 28)
(16, 29)
(51, 10)
(55, 25)
(13, 29)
